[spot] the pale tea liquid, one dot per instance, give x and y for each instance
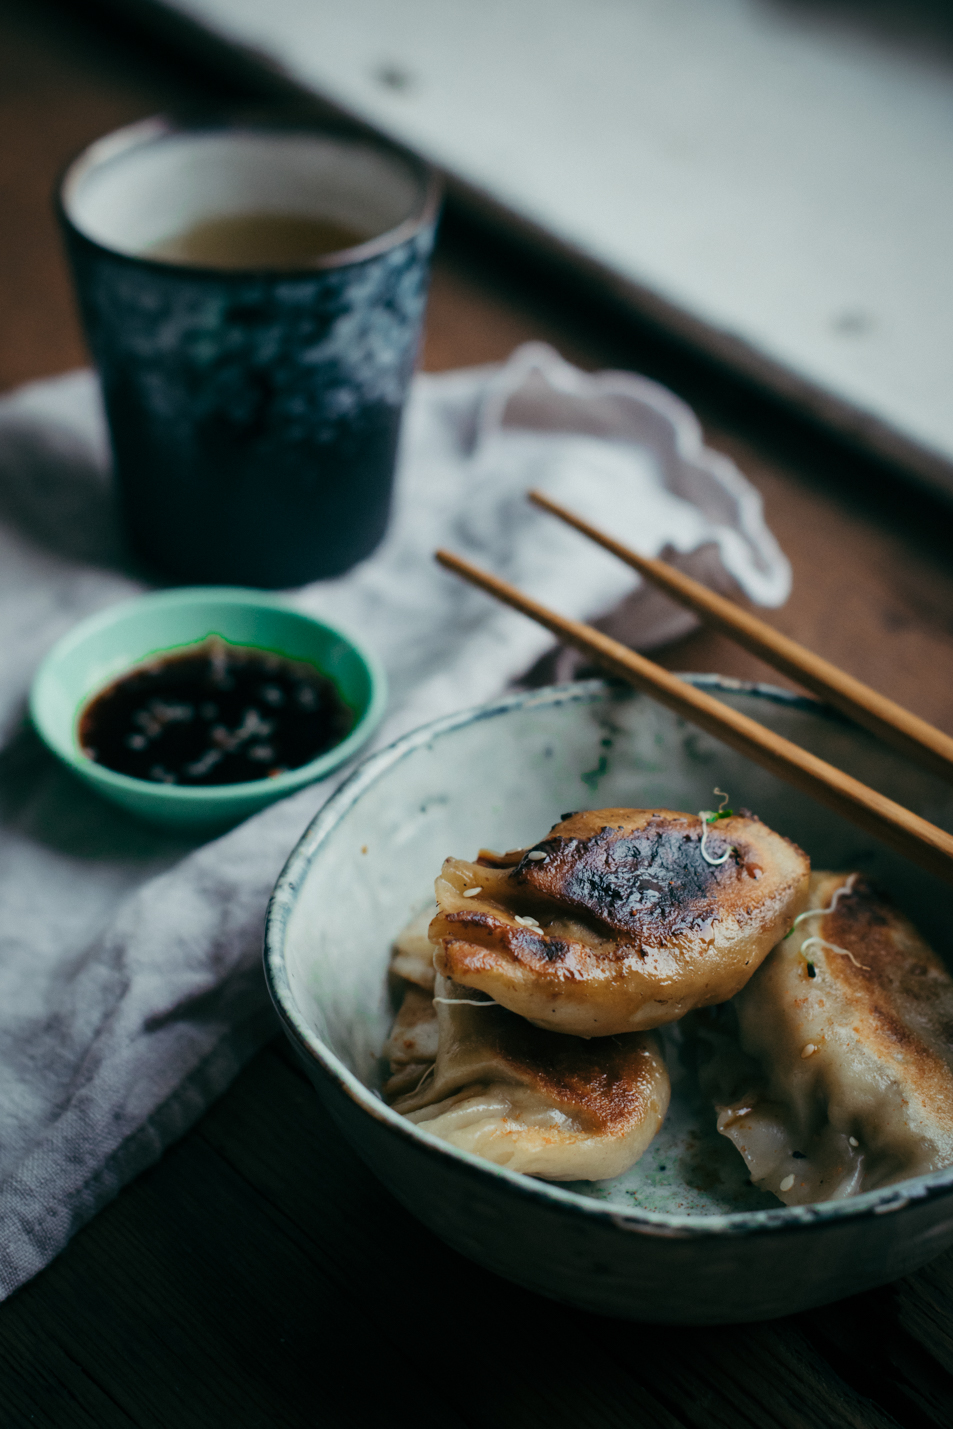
(257, 240)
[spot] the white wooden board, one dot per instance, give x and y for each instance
(770, 176)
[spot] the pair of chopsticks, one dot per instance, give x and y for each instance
(920, 841)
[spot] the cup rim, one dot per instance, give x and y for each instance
(212, 795)
(162, 126)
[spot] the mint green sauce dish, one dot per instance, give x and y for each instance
(99, 650)
(682, 1237)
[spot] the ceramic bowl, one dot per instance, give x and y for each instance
(682, 1237)
(99, 649)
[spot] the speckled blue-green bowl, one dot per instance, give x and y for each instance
(101, 648)
(682, 1237)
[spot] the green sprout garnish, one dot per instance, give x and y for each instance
(712, 817)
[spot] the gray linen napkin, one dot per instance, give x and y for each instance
(130, 981)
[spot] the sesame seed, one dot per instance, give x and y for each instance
(527, 922)
(471, 892)
(853, 1141)
(787, 1183)
(536, 855)
(809, 1050)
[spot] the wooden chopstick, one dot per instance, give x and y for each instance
(896, 726)
(922, 842)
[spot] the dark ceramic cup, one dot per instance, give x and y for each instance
(254, 411)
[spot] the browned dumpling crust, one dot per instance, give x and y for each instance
(616, 921)
(832, 1071)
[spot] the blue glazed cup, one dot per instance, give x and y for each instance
(254, 411)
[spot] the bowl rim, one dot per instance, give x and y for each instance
(783, 1219)
(216, 795)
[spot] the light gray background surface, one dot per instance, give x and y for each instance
(771, 176)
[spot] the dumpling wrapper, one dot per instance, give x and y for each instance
(539, 1102)
(633, 927)
(412, 1045)
(832, 1072)
(412, 953)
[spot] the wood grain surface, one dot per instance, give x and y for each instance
(259, 1275)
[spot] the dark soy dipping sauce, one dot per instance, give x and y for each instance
(214, 714)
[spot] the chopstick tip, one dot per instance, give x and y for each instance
(448, 560)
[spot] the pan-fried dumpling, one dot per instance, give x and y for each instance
(832, 1071)
(621, 919)
(539, 1102)
(412, 954)
(412, 1045)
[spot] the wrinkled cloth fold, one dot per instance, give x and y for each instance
(130, 981)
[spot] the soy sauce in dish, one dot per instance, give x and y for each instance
(214, 714)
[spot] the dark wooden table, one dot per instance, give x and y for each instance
(258, 1275)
